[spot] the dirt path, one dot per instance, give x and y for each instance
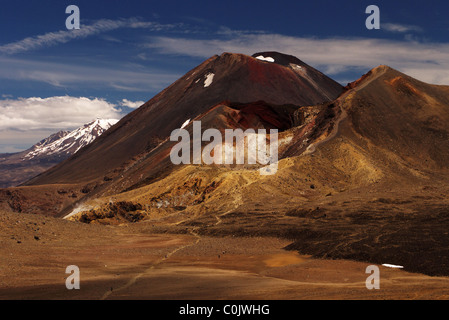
(312, 147)
(133, 280)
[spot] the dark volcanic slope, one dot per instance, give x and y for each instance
(232, 77)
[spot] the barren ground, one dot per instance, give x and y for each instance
(136, 261)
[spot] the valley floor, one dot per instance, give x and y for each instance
(136, 261)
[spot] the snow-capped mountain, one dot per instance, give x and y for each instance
(67, 143)
(17, 168)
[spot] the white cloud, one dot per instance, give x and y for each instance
(53, 38)
(425, 61)
(400, 28)
(131, 104)
(9, 149)
(56, 113)
(61, 75)
(12, 140)
(64, 36)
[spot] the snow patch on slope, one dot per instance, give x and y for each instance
(185, 124)
(209, 79)
(268, 59)
(392, 266)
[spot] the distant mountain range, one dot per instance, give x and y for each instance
(16, 168)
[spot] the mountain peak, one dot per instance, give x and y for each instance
(373, 74)
(278, 58)
(228, 77)
(65, 143)
(382, 69)
(16, 168)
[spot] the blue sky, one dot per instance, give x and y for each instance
(52, 78)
